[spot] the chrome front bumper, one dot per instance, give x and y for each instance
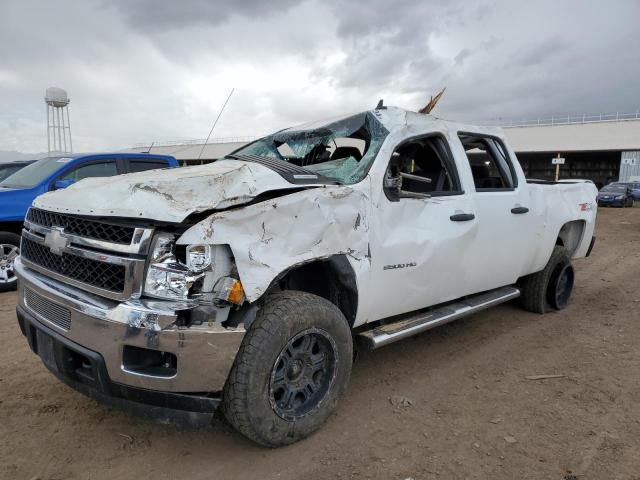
(204, 353)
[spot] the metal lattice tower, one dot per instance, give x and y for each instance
(58, 124)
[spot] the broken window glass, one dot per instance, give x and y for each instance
(342, 149)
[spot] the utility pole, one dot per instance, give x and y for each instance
(557, 162)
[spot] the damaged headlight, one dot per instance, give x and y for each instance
(198, 257)
(168, 278)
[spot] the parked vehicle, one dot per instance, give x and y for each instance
(615, 195)
(55, 173)
(245, 282)
(10, 168)
(634, 186)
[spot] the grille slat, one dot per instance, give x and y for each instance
(50, 311)
(82, 227)
(103, 275)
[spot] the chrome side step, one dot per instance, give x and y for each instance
(412, 324)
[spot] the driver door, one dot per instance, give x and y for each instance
(423, 234)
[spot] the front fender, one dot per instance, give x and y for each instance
(270, 237)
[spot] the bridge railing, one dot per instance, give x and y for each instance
(197, 141)
(567, 120)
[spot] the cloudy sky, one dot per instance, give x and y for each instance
(140, 70)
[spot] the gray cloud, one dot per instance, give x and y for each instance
(143, 70)
(155, 16)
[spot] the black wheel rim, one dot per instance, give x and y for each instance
(303, 374)
(562, 286)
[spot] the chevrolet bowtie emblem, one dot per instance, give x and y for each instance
(56, 240)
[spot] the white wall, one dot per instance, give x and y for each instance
(622, 135)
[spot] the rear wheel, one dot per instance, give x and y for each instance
(294, 363)
(9, 250)
(551, 288)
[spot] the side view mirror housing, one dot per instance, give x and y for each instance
(60, 184)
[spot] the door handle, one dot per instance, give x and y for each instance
(518, 210)
(462, 217)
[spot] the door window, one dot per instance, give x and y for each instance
(98, 169)
(144, 165)
(490, 164)
(422, 167)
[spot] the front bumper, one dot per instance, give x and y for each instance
(608, 202)
(99, 330)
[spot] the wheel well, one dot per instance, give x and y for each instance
(332, 278)
(11, 227)
(570, 235)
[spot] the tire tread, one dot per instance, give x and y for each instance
(238, 394)
(534, 286)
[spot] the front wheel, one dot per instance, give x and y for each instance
(292, 366)
(551, 288)
(9, 250)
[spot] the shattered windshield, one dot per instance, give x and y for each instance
(342, 150)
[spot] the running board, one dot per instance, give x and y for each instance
(412, 324)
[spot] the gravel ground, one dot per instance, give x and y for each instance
(451, 403)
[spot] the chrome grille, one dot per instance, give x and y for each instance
(67, 248)
(106, 276)
(48, 310)
(76, 225)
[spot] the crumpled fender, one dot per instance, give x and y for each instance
(268, 238)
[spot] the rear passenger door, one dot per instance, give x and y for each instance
(505, 243)
(142, 164)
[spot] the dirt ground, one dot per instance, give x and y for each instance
(451, 403)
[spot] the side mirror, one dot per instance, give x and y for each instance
(393, 181)
(62, 184)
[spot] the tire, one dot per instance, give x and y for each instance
(272, 363)
(9, 249)
(549, 289)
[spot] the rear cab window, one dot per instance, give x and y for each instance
(491, 166)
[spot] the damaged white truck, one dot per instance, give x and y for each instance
(245, 283)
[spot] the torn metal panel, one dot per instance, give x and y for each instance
(269, 237)
(167, 195)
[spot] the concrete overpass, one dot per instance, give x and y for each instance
(599, 149)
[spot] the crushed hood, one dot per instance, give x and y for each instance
(168, 195)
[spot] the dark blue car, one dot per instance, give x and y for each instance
(53, 173)
(635, 189)
(614, 195)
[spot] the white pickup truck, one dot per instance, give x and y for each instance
(246, 283)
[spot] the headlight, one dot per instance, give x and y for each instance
(166, 277)
(198, 257)
(619, 197)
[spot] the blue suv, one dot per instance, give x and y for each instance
(53, 173)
